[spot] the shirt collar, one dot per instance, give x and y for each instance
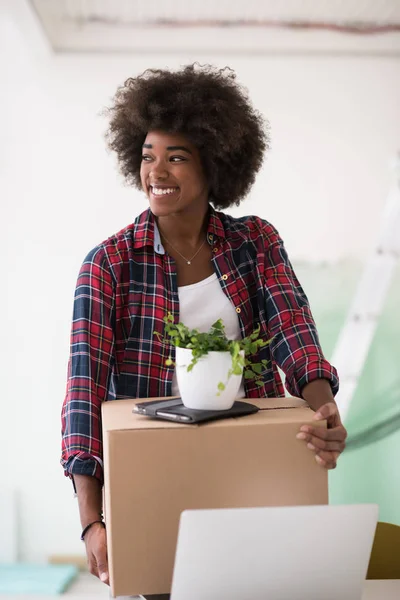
(146, 232)
(215, 229)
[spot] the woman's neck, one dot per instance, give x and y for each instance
(184, 228)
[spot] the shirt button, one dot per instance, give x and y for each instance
(215, 249)
(238, 310)
(224, 277)
(210, 237)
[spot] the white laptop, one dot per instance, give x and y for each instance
(286, 553)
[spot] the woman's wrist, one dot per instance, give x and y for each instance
(89, 499)
(89, 526)
(317, 393)
(91, 518)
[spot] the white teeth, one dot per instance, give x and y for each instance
(162, 191)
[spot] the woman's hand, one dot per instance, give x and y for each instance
(327, 444)
(96, 551)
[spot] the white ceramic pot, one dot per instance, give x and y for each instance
(199, 387)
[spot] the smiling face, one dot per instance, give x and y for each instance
(172, 175)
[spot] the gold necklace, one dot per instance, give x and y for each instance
(187, 260)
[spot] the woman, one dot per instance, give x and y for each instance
(193, 143)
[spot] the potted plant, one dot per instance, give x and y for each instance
(209, 366)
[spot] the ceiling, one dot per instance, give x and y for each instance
(239, 25)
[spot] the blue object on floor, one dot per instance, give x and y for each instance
(23, 578)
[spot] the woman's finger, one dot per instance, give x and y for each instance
(321, 444)
(327, 459)
(314, 443)
(92, 566)
(337, 434)
(325, 411)
(326, 464)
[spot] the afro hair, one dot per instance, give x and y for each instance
(206, 105)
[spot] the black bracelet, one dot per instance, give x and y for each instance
(89, 526)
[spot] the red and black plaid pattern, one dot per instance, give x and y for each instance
(127, 285)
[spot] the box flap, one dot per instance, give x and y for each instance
(117, 415)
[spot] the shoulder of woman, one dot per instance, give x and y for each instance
(254, 228)
(111, 252)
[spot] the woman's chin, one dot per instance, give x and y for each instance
(162, 208)
(160, 211)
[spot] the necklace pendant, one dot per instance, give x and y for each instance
(189, 262)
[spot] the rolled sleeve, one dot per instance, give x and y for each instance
(311, 369)
(81, 463)
(295, 345)
(90, 368)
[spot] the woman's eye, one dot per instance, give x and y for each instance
(148, 158)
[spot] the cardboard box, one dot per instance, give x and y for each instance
(156, 469)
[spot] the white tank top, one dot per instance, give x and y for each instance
(203, 303)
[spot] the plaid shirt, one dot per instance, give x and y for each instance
(126, 286)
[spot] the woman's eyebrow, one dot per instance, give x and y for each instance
(179, 148)
(170, 148)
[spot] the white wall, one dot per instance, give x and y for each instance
(335, 127)
(334, 124)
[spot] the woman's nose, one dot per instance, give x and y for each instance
(159, 172)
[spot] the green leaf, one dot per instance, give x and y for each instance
(255, 334)
(259, 382)
(249, 374)
(257, 367)
(169, 362)
(221, 386)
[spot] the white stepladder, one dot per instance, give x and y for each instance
(358, 331)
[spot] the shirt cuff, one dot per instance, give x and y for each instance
(82, 463)
(310, 370)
